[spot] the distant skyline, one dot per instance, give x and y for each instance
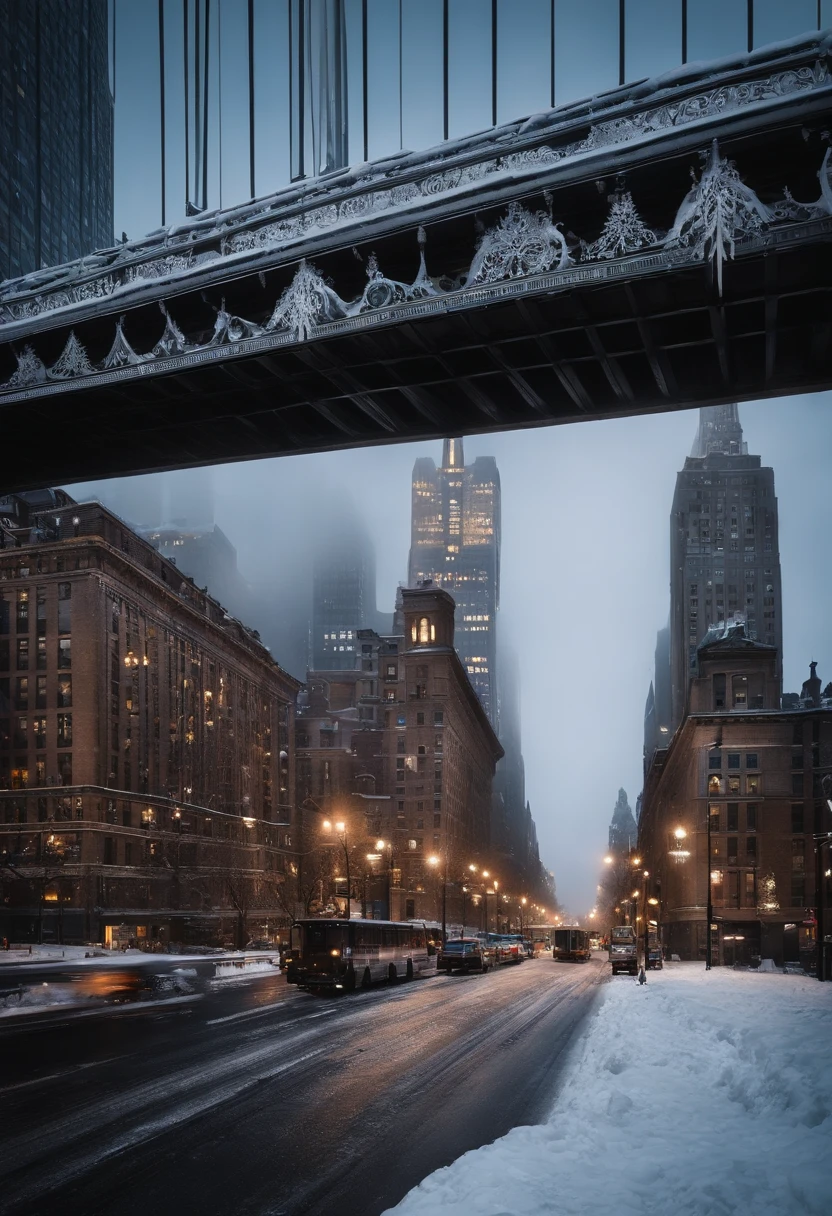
(585, 579)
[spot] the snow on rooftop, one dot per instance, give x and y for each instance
(699, 1094)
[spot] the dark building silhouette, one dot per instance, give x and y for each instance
(623, 826)
(343, 594)
(56, 134)
(657, 710)
(724, 552)
(455, 543)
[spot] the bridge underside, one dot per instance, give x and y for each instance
(586, 339)
(623, 348)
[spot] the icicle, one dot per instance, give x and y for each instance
(73, 361)
(718, 211)
(121, 352)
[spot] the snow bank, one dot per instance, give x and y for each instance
(699, 1094)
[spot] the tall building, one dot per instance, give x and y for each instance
(623, 827)
(56, 137)
(400, 748)
(146, 740)
(455, 543)
(731, 808)
(724, 553)
(343, 594)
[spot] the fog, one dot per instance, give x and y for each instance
(585, 577)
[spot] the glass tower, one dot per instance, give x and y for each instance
(455, 542)
(56, 136)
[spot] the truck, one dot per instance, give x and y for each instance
(623, 949)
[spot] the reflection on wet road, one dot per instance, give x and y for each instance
(256, 1098)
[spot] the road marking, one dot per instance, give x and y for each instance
(53, 1076)
(262, 1010)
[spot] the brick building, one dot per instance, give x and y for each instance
(146, 740)
(399, 750)
(751, 770)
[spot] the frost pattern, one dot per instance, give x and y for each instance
(624, 231)
(30, 370)
(73, 361)
(305, 303)
(172, 341)
(718, 211)
(522, 243)
(121, 352)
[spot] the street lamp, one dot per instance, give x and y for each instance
(523, 903)
(341, 829)
(434, 862)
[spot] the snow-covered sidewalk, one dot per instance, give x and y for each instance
(699, 1094)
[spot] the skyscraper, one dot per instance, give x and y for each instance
(724, 552)
(343, 594)
(56, 138)
(455, 542)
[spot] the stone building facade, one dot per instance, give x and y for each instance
(401, 752)
(750, 771)
(146, 741)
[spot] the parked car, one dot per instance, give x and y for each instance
(510, 950)
(465, 954)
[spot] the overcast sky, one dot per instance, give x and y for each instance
(585, 574)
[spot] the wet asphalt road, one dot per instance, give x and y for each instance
(259, 1100)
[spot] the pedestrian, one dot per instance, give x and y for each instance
(642, 978)
(5, 943)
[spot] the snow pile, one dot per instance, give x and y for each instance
(699, 1094)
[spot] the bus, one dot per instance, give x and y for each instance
(572, 945)
(541, 937)
(342, 955)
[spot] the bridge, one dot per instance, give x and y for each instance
(659, 246)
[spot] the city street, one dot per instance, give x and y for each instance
(256, 1098)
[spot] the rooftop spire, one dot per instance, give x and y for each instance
(452, 454)
(720, 432)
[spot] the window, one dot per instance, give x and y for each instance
(438, 718)
(751, 817)
(427, 631)
(797, 817)
(798, 853)
(437, 820)
(733, 760)
(40, 693)
(740, 691)
(420, 719)
(64, 692)
(64, 730)
(713, 811)
(733, 785)
(733, 811)
(21, 696)
(64, 654)
(750, 888)
(719, 692)
(714, 785)
(732, 850)
(128, 853)
(715, 760)
(751, 760)
(797, 759)
(39, 727)
(23, 611)
(22, 654)
(717, 888)
(64, 607)
(65, 767)
(41, 655)
(752, 785)
(798, 893)
(797, 783)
